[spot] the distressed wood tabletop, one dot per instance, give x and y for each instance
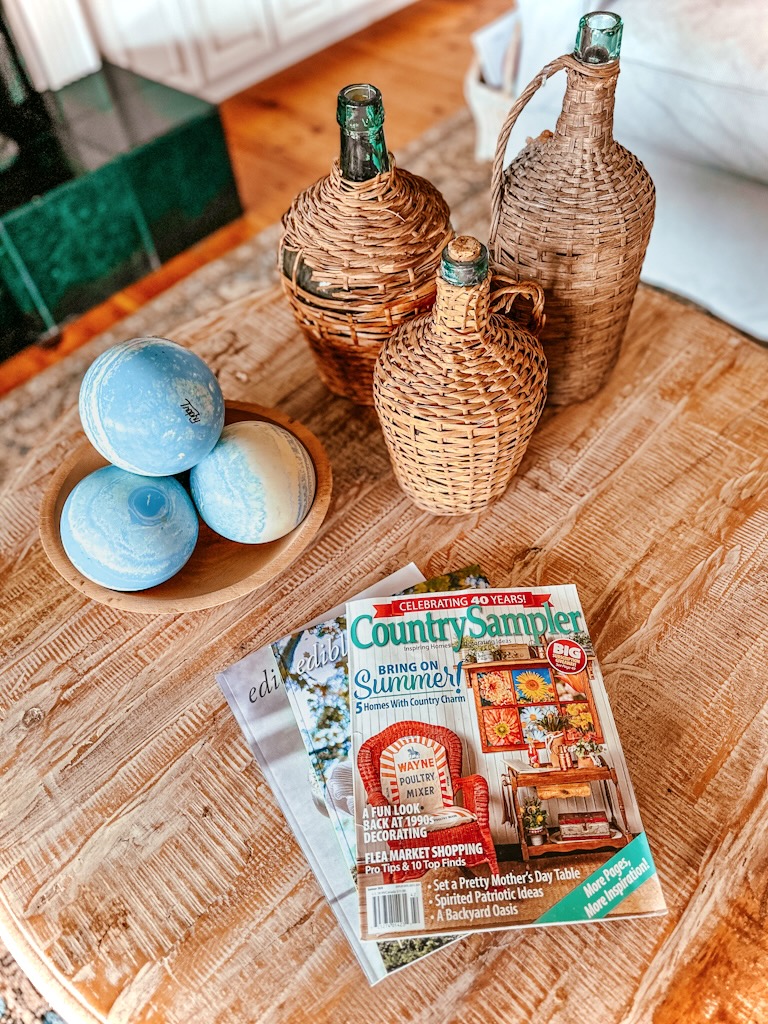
(146, 874)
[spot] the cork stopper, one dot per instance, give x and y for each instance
(464, 249)
(464, 261)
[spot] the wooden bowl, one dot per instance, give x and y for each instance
(219, 570)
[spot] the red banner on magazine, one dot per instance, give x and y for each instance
(448, 602)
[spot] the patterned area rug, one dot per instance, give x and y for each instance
(20, 1003)
(444, 155)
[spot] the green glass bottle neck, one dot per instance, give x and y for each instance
(586, 119)
(363, 149)
(598, 40)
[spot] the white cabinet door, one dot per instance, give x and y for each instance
(233, 34)
(155, 38)
(294, 18)
(54, 39)
(368, 11)
(214, 48)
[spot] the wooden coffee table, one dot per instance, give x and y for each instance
(146, 874)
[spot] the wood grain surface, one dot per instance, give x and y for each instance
(146, 874)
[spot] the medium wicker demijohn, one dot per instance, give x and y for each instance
(574, 211)
(360, 249)
(459, 390)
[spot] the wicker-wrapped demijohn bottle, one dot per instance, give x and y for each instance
(459, 390)
(574, 210)
(360, 249)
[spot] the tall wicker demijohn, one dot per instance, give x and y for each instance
(459, 390)
(360, 249)
(574, 211)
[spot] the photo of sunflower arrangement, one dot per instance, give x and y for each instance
(533, 685)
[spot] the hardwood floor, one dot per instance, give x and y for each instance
(282, 135)
(283, 132)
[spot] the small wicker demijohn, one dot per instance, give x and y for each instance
(459, 390)
(574, 210)
(360, 249)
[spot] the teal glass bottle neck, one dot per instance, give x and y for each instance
(464, 262)
(363, 151)
(598, 40)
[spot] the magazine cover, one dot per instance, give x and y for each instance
(259, 701)
(490, 787)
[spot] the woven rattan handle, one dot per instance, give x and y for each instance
(506, 292)
(497, 177)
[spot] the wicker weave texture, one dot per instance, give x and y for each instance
(458, 393)
(375, 246)
(574, 211)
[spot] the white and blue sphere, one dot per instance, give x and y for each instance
(151, 407)
(128, 532)
(256, 485)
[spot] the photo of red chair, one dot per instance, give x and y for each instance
(377, 752)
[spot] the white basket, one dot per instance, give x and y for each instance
(490, 105)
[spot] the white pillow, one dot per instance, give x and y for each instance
(449, 817)
(693, 80)
(339, 787)
(414, 770)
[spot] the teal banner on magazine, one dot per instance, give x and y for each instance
(605, 888)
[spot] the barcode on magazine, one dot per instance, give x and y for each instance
(392, 907)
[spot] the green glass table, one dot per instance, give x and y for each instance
(115, 174)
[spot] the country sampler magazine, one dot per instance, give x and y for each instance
(490, 787)
(291, 700)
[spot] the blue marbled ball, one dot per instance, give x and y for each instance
(151, 407)
(128, 532)
(256, 485)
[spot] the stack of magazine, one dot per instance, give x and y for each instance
(448, 763)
